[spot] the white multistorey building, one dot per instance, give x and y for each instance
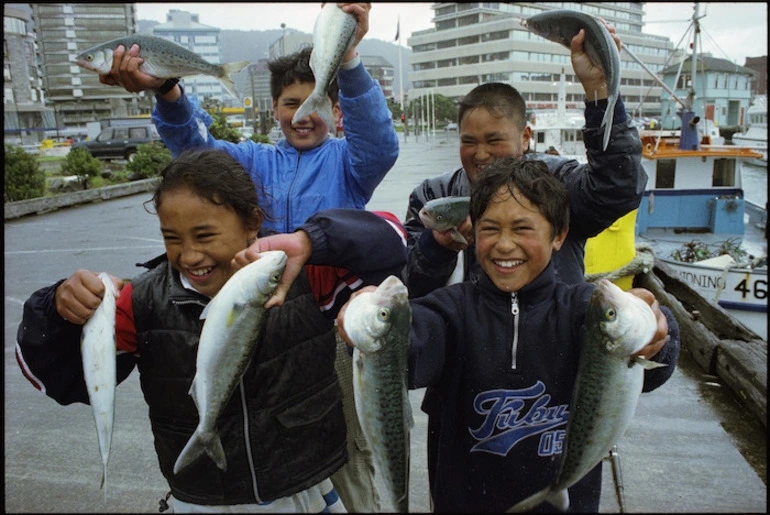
(183, 28)
(478, 42)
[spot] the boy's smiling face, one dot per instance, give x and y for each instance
(514, 240)
(201, 238)
(308, 132)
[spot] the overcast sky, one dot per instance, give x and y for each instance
(729, 30)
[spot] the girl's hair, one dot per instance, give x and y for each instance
(213, 175)
(533, 180)
(286, 70)
(500, 99)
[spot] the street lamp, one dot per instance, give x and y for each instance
(283, 40)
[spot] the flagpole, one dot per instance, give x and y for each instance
(400, 64)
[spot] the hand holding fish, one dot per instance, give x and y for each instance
(341, 314)
(661, 331)
(590, 74)
(297, 247)
(361, 12)
(125, 71)
(77, 298)
(448, 238)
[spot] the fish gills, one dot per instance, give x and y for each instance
(233, 325)
(609, 381)
(561, 25)
(333, 34)
(378, 324)
(97, 348)
(162, 58)
(445, 214)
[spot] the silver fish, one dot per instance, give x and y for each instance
(333, 34)
(561, 25)
(378, 324)
(235, 318)
(97, 347)
(445, 214)
(162, 58)
(609, 381)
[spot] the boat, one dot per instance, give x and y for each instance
(695, 193)
(755, 136)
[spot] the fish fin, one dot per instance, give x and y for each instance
(199, 443)
(234, 313)
(227, 70)
(646, 363)
(608, 120)
(457, 236)
(558, 498)
(316, 104)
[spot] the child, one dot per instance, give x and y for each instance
(308, 170)
(516, 332)
(209, 213)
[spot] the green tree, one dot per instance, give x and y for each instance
(149, 160)
(220, 130)
(81, 163)
(23, 177)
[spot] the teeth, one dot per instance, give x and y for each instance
(202, 271)
(509, 264)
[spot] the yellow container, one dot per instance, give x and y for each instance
(46, 143)
(613, 248)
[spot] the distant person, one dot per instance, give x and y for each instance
(493, 125)
(502, 349)
(283, 430)
(301, 174)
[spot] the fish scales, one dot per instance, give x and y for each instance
(333, 35)
(229, 336)
(162, 58)
(445, 214)
(561, 25)
(378, 324)
(98, 353)
(609, 381)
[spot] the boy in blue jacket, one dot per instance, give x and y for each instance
(512, 333)
(288, 404)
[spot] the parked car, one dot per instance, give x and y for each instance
(452, 126)
(119, 142)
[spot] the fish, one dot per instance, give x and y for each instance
(162, 58)
(98, 352)
(561, 25)
(230, 334)
(333, 35)
(445, 214)
(378, 325)
(609, 381)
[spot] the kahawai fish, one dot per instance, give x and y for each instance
(162, 58)
(378, 325)
(97, 348)
(445, 214)
(609, 381)
(229, 336)
(333, 34)
(561, 25)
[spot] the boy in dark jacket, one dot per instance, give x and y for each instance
(502, 349)
(209, 214)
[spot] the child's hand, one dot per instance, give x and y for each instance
(125, 72)
(360, 11)
(444, 238)
(588, 72)
(661, 333)
(298, 249)
(77, 298)
(341, 314)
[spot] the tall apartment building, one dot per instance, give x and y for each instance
(382, 71)
(76, 95)
(477, 42)
(184, 28)
(25, 114)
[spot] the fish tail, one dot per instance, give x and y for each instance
(316, 103)
(608, 119)
(103, 484)
(558, 498)
(227, 70)
(200, 442)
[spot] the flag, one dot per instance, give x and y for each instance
(398, 28)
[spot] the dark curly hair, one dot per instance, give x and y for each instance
(286, 70)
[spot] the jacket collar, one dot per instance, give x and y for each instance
(539, 290)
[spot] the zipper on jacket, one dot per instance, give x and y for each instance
(249, 456)
(515, 343)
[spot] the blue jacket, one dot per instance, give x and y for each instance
(505, 382)
(292, 185)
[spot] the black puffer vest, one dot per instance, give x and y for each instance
(283, 429)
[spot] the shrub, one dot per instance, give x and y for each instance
(149, 160)
(81, 163)
(221, 131)
(23, 177)
(261, 138)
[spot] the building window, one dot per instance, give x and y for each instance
(724, 173)
(665, 173)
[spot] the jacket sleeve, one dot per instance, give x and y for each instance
(612, 183)
(48, 351)
(372, 142)
(669, 355)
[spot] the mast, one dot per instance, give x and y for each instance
(689, 139)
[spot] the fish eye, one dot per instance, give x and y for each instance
(276, 276)
(90, 57)
(610, 314)
(439, 218)
(383, 314)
